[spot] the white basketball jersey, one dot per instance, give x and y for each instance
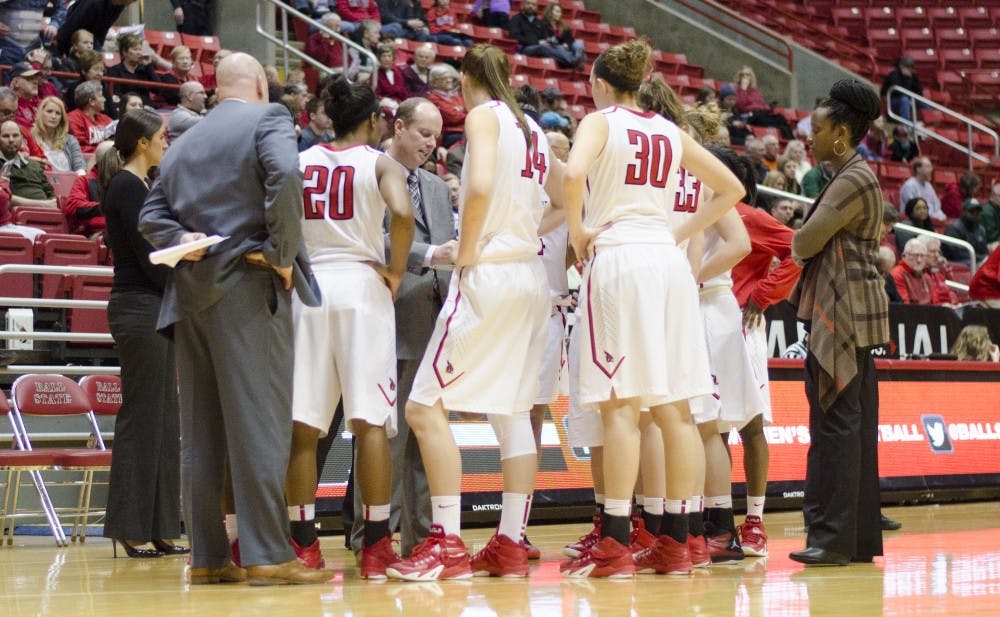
(342, 218)
(515, 204)
(553, 255)
(632, 183)
(689, 197)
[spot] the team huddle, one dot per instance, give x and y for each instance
(662, 363)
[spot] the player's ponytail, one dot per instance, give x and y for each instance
(488, 67)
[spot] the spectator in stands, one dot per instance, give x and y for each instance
(390, 81)
(324, 47)
(940, 271)
(51, 131)
(990, 218)
(885, 263)
(8, 110)
(902, 148)
(83, 205)
(442, 20)
(562, 35)
(208, 79)
(354, 12)
(319, 129)
(94, 16)
(26, 177)
(553, 102)
(7, 225)
(558, 144)
(447, 96)
(193, 16)
(417, 74)
(985, 284)
(912, 279)
(81, 41)
(816, 179)
(42, 60)
(771, 151)
(455, 191)
(789, 168)
(890, 216)
(875, 145)
(754, 150)
(917, 215)
(737, 127)
(968, 228)
(190, 110)
(182, 63)
(493, 13)
(751, 107)
(25, 86)
(904, 76)
(21, 21)
(957, 194)
(534, 37)
(781, 208)
(919, 185)
(90, 68)
(134, 65)
(974, 344)
(129, 101)
(774, 180)
(796, 150)
(403, 19)
(314, 8)
(362, 68)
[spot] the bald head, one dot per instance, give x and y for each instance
(241, 76)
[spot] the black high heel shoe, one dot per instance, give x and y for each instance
(131, 551)
(169, 548)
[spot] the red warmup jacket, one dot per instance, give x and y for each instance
(753, 277)
(985, 283)
(83, 214)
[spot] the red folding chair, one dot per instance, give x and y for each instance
(12, 464)
(104, 393)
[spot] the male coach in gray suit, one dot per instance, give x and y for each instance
(415, 133)
(230, 310)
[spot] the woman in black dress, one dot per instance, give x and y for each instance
(144, 487)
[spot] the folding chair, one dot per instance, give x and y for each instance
(104, 393)
(56, 395)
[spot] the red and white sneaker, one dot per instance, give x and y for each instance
(666, 556)
(436, 558)
(501, 557)
(724, 548)
(234, 548)
(376, 558)
(753, 537)
(310, 556)
(698, 551)
(587, 541)
(640, 539)
(534, 553)
(607, 559)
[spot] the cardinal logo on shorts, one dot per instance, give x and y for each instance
(392, 385)
(608, 357)
(449, 369)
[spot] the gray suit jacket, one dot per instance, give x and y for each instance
(418, 303)
(236, 175)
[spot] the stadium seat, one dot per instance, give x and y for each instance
(944, 17)
(958, 59)
(163, 42)
(988, 57)
(984, 37)
(204, 48)
(918, 37)
(16, 249)
(976, 17)
(85, 320)
(952, 38)
(64, 252)
(49, 220)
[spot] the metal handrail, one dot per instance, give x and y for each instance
(924, 131)
(304, 57)
(74, 337)
(55, 369)
(916, 230)
(106, 271)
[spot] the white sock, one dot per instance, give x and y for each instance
(722, 501)
(640, 500)
(697, 503)
(599, 498)
(755, 506)
(302, 512)
(377, 513)
(676, 506)
(653, 505)
(514, 515)
(617, 507)
(446, 511)
(232, 532)
(531, 498)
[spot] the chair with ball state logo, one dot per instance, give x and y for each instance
(51, 399)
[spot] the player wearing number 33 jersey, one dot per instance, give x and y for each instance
(641, 334)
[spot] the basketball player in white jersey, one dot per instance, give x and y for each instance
(486, 349)
(641, 342)
(347, 347)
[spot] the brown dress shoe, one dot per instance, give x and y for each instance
(288, 573)
(228, 573)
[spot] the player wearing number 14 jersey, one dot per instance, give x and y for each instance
(346, 348)
(640, 334)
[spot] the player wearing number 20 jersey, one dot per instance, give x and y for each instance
(640, 333)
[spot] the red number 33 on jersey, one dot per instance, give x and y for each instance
(322, 187)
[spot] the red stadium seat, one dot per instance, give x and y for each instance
(16, 249)
(64, 252)
(958, 59)
(925, 59)
(984, 37)
(90, 320)
(163, 42)
(886, 41)
(952, 38)
(204, 48)
(50, 220)
(944, 17)
(976, 17)
(918, 37)
(880, 17)
(988, 57)
(111, 58)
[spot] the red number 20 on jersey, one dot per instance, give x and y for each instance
(323, 187)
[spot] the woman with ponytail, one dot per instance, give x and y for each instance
(486, 349)
(642, 345)
(842, 302)
(144, 485)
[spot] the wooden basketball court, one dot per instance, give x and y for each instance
(945, 561)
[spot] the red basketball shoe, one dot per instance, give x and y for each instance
(438, 557)
(607, 559)
(666, 556)
(698, 551)
(501, 557)
(724, 548)
(753, 537)
(587, 541)
(375, 559)
(310, 556)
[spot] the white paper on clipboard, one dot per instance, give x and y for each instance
(173, 254)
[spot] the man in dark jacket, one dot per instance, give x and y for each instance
(967, 228)
(535, 38)
(905, 77)
(403, 18)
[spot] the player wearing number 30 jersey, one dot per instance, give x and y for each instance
(346, 348)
